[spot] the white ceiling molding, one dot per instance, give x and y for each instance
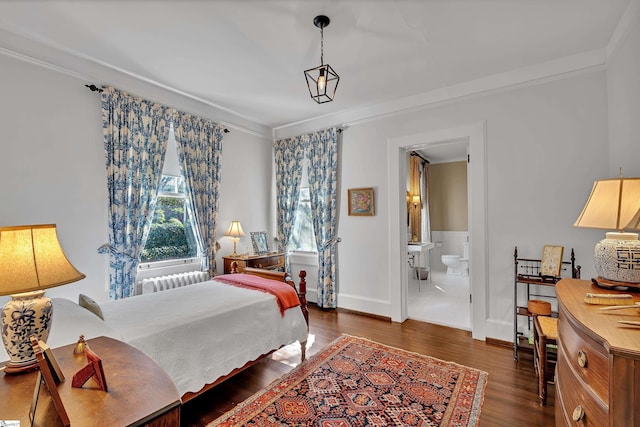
(95, 72)
(537, 74)
(630, 17)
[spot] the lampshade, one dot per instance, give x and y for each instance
(614, 204)
(235, 229)
(416, 200)
(31, 259)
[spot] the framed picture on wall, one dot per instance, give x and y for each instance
(361, 202)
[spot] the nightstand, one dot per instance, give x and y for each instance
(140, 392)
(270, 261)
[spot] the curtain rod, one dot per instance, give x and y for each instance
(94, 88)
(414, 153)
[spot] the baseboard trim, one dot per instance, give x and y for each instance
(499, 343)
(362, 313)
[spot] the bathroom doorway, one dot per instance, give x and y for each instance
(444, 296)
(397, 147)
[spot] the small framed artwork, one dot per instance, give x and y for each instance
(259, 241)
(551, 262)
(361, 202)
(51, 375)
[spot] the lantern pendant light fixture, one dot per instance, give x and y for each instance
(322, 80)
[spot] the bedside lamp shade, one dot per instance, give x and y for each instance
(614, 204)
(235, 232)
(31, 261)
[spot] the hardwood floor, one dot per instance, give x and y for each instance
(511, 395)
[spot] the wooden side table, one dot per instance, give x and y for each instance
(270, 261)
(140, 392)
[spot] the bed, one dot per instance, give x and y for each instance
(199, 334)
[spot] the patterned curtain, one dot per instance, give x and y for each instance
(416, 191)
(323, 184)
(199, 152)
(288, 155)
(135, 141)
(426, 217)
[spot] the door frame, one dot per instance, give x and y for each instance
(477, 215)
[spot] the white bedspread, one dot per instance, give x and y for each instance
(201, 332)
(196, 333)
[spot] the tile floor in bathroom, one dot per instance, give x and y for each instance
(444, 300)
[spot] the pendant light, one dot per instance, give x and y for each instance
(322, 80)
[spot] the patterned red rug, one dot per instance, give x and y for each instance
(358, 382)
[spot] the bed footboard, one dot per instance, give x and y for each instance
(301, 290)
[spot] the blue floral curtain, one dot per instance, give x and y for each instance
(135, 141)
(199, 152)
(323, 184)
(288, 155)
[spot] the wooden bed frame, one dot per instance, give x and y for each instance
(273, 275)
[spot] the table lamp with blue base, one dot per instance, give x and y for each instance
(31, 261)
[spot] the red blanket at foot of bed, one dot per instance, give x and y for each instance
(286, 296)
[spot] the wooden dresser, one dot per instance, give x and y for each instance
(598, 370)
(270, 261)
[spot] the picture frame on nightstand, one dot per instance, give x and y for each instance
(260, 242)
(51, 374)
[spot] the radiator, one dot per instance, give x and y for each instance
(162, 283)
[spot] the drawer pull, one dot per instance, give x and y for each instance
(582, 359)
(578, 413)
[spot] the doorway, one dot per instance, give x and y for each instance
(398, 256)
(443, 297)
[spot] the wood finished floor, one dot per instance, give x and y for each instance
(511, 395)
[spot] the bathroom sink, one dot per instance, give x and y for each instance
(419, 246)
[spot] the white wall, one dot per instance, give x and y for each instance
(52, 168)
(623, 89)
(546, 144)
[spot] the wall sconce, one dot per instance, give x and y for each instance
(235, 232)
(614, 204)
(416, 201)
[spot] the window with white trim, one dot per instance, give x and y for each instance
(303, 238)
(171, 240)
(172, 235)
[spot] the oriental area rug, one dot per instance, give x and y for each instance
(358, 382)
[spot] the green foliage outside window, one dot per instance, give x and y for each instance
(171, 235)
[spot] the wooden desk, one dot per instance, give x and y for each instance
(270, 261)
(598, 370)
(140, 392)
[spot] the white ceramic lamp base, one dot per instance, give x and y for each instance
(617, 261)
(25, 315)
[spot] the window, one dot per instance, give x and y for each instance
(172, 234)
(302, 236)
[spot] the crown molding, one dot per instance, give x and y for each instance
(630, 17)
(91, 70)
(585, 62)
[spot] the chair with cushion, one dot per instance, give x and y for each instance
(545, 335)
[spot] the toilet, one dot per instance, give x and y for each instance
(457, 265)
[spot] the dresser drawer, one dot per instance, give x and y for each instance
(267, 262)
(586, 357)
(576, 397)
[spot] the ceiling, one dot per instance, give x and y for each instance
(248, 56)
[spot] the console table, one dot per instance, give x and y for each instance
(598, 370)
(270, 261)
(140, 392)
